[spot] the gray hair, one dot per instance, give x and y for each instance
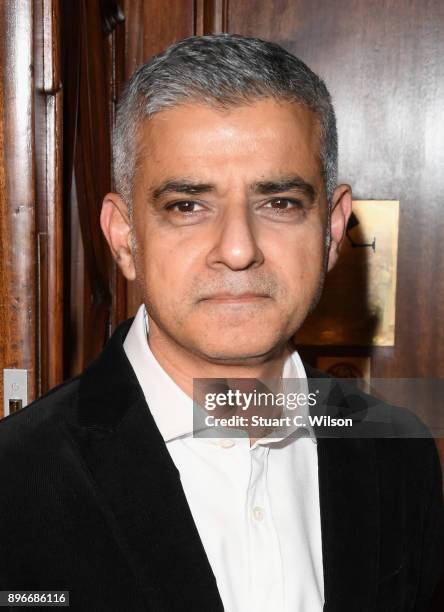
(221, 70)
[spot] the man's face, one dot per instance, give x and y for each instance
(230, 217)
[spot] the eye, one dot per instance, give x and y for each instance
(185, 207)
(284, 204)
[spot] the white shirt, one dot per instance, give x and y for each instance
(256, 508)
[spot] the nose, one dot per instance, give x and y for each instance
(236, 245)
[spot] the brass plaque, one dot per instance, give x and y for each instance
(357, 307)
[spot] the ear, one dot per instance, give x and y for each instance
(115, 224)
(340, 213)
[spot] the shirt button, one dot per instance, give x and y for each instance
(258, 513)
(226, 443)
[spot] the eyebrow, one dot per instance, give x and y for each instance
(287, 183)
(181, 186)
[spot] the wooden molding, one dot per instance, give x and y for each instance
(49, 194)
(210, 16)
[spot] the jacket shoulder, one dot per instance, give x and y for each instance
(39, 417)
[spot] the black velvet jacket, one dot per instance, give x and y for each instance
(91, 502)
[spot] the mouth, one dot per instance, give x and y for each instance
(243, 298)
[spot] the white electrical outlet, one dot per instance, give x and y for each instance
(15, 389)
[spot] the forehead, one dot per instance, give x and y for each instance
(257, 138)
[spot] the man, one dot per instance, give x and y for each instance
(228, 216)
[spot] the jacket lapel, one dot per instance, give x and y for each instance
(139, 485)
(349, 502)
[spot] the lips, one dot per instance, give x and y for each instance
(236, 298)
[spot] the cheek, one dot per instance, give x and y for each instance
(167, 270)
(301, 261)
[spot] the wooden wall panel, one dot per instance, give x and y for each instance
(152, 26)
(31, 212)
(18, 254)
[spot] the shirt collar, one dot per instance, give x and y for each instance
(171, 407)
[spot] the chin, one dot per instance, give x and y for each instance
(238, 337)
